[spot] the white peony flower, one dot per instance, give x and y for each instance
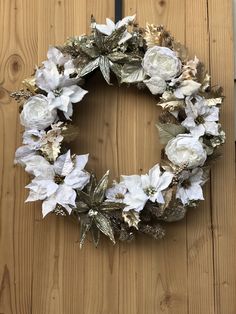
(185, 150)
(36, 113)
(146, 187)
(189, 187)
(156, 85)
(56, 183)
(116, 193)
(201, 119)
(161, 62)
(110, 27)
(187, 88)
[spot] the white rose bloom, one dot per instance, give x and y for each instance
(156, 85)
(187, 88)
(186, 150)
(36, 113)
(161, 62)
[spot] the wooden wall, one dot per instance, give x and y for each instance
(42, 270)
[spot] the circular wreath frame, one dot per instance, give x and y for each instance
(188, 126)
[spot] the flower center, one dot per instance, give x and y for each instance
(58, 179)
(119, 196)
(186, 184)
(199, 120)
(57, 92)
(150, 191)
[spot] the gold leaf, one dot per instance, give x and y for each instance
(171, 105)
(132, 218)
(70, 133)
(168, 131)
(30, 84)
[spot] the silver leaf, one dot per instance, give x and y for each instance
(104, 225)
(104, 65)
(132, 73)
(168, 131)
(90, 67)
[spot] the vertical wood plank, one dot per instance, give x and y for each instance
(223, 174)
(18, 55)
(149, 282)
(199, 232)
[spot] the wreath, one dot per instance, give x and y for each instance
(188, 126)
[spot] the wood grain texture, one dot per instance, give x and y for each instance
(42, 269)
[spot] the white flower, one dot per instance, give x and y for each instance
(161, 62)
(146, 187)
(33, 138)
(49, 79)
(64, 196)
(62, 90)
(186, 150)
(201, 119)
(69, 175)
(36, 113)
(110, 27)
(22, 153)
(62, 98)
(189, 187)
(116, 193)
(187, 88)
(156, 85)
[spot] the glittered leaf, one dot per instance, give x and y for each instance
(91, 185)
(81, 207)
(95, 232)
(132, 218)
(117, 69)
(171, 105)
(100, 190)
(169, 131)
(214, 101)
(83, 197)
(90, 67)
(104, 225)
(112, 40)
(110, 206)
(105, 68)
(30, 84)
(132, 73)
(85, 225)
(90, 51)
(70, 133)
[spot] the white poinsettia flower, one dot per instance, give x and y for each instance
(40, 189)
(146, 187)
(156, 85)
(201, 119)
(185, 150)
(116, 193)
(39, 167)
(59, 59)
(63, 98)
(52, 180)
(189, 187)
(64, 196)
(161, 62)
(36, 113)
(110, 27)
(155, 182)
(187, 88)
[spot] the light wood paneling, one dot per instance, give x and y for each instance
(42, 269)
